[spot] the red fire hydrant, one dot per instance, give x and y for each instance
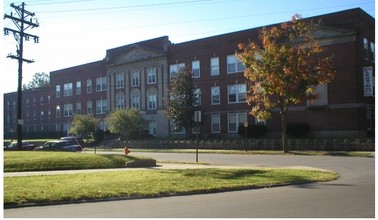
(126, 151)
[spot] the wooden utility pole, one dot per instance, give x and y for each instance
(19, 34)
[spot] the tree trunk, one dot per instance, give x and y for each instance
(283, 111)
(283, 133)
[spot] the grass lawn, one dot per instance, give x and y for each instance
(148, 183)
(15, 161)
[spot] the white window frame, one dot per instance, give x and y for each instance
(57, 91)
(152, 102)
(135, 78)
(239, 118)
(68, 110)
(196, 70)
(152, 128)
(89, 86)
(135, 101)
(101, 106)
(235, 63)
(173, 70)
(78, 87)
(67, 89)
(214, 91)
(89, 107)
(215, 121)
(214, 66)
(120, 80)
(101, 84)
(121, 102)
(151, 75)
(78, 108)
(240, 92)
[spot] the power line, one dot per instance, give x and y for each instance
(19, 34)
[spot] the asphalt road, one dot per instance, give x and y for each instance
(352, 195)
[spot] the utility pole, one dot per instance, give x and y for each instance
(22, 24)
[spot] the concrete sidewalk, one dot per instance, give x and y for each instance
(159, 166)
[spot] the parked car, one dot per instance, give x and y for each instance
(25, 146)
(75, 139)
(60, 145)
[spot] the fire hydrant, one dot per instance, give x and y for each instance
(126, 151)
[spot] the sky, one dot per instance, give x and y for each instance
(75, 32)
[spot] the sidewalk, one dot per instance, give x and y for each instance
(160, 166)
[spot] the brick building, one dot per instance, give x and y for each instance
(138, 75)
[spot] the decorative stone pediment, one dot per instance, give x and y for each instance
(133, 53)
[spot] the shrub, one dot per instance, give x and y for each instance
(253, 131)
(297, 130)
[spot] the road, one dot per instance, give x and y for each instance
(352, 195)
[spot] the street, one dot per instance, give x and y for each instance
(352, 195)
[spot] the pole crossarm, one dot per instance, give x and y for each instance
(22, 24)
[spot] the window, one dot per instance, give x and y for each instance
(34, 101)
(34, 115)
(372, 51)
(235, 120)
(196, 68)
(121, 102)
(101, 106)
(27, 103)
(78, 108)
(152, 102)
(152, 128)
(42, 115)
(366, 48)
(78, 88)
(174, 70)
(57, 91)
(67, 89)
(215, 95)
(89, 86)
(236, 93)
(151, 75)
(135, 101)
(101, 84)
(215, 123)
(67, 110)
(89, 107)
(197, 97)
(234, 65)
(120, 81)
(135, 78)
(41, 100)
(214, 66)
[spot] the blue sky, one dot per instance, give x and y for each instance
(76, 32)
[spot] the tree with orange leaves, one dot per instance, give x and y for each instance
(284, 69)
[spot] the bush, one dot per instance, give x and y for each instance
(253, 131)
(297, 130)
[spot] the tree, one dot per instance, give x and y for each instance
(39, 80)
(181, 100)
(285, 69)
(126, 122)
(83, 125)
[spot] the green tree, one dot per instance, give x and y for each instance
(126, 122)
(84, 124)
(39, 80)
(284, 69)
(181, 101)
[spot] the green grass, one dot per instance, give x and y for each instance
(147, 183)
(16, 161)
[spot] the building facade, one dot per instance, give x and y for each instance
(138, 76)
